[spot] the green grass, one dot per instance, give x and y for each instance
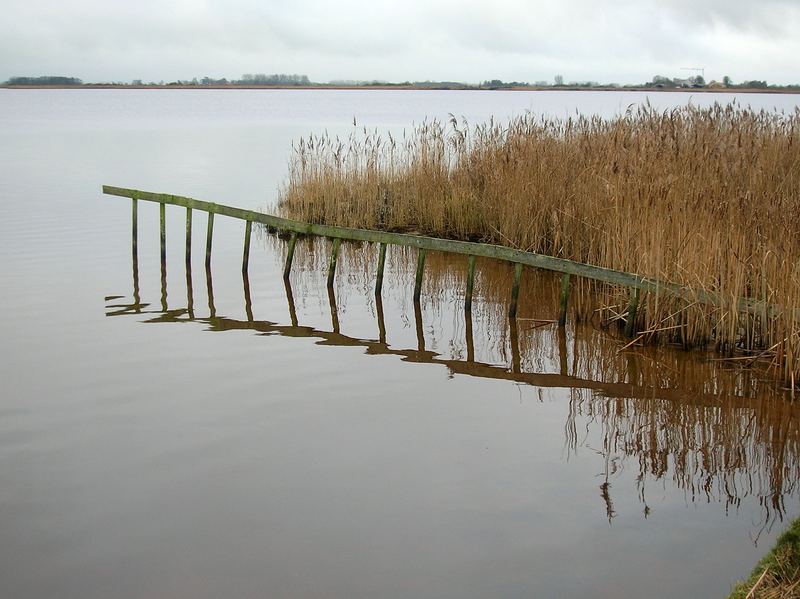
(782, 565)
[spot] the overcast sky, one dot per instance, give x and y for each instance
(624, 41)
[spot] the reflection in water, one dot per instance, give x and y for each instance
(717, 433)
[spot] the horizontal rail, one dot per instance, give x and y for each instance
(484, 250)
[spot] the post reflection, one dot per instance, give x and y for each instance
(717, 434)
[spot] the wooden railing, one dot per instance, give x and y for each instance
(519, 258)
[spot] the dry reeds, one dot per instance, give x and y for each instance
(705, 197)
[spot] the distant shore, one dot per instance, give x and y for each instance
(702, 90)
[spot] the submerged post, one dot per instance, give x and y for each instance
(381, 321)
(470, 283)
(332, 266)
(381, 262)
(188, 238)
(562, 316)
(134, 229)
(334, 310)
(513, 339)
(162, 219)
(287, 267)
(633, 307)
(512, 310)
(209, 237)
(246, 252)
(420, 272)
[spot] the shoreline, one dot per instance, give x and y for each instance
(703, 90)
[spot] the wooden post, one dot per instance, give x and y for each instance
(633, 307)
(188, 239)
(248, 302)
(468, 334)
(162, 219)
(381, 321)
(513, 339)
(420, 329)
(189, 294)
(209, 237)
(135, 229)
(332, 266)
(562, 316)
(212, 310)
(562, 352)
(381, 263)
(287, 285)
(287, 267)
(246, 251)
(334, 309)
(164, 306)
(512, 310)
(420, 272)
(470, 283)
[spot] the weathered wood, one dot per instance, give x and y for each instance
(513, 340)
(552, 263)
(419, 274)
(381, 263)
(334, 309)
(189, 293)
(381, 321)
(287, 285)
(512, 309)
(562, 315)
(468, 335)
(209, 238)
(135, 229)
(246, 251)
(287, 267)
(633, 307)
(248, 301)
(470, 283)
(188, 238)
(418, 326)
(212, 310)
(162, 225)
(332, 265)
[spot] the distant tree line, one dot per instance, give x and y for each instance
(47, 80)
(281, 79)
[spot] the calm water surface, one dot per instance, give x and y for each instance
(210, 436)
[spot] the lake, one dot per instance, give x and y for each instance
(165, 435)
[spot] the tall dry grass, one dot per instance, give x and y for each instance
(705, 197)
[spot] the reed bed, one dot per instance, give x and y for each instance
(705, 197)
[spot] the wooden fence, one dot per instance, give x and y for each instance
(519, 258)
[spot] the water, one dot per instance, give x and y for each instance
(282, 448)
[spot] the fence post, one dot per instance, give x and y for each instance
(420, 272)
(470, 283)
(246, 251)
(287, 267)
(381, 263)
(512, 310)
(332, 266)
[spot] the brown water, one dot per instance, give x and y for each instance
(332, 445)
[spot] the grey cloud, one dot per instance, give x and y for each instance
(623, 40)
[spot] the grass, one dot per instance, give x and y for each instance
(709, 198)
(777, 575)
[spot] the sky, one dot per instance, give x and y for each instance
(623, 41)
